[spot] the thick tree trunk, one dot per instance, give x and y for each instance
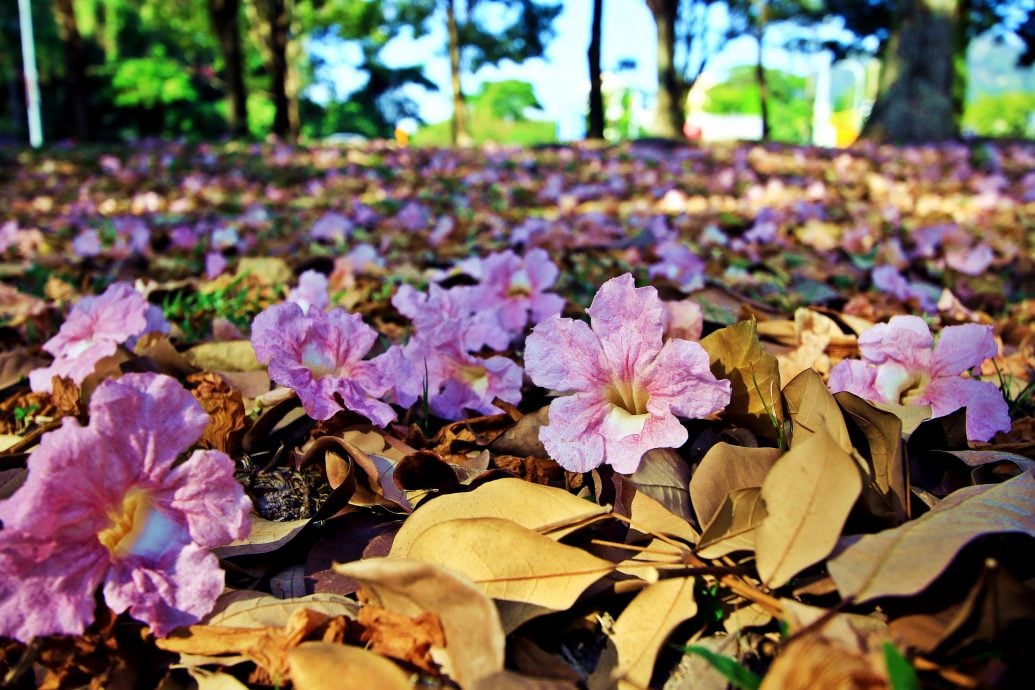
(225, 16)
(915, 97)
(670, 112)
(459, 131)
(763, 85)
(75, 68)
(595, 126)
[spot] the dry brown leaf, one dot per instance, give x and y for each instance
(474, 638)
(650, 517)
(265, 536)
(812, 407)
(639, 632)
(231, 355)
(511, 562)
(241, 608)
(733, 527)
(214, 680)
(737, 355)
(325, 666)
(228, 419)
(883, 432)
(808, 494)
(532, 505)
(724, 469)
(664, 476)
(509, 680)
(903, 560)
(815, 662)
(522, 439)
(406, 638)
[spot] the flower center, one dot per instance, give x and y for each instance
(520, 285)
(476, 377)
(77, 348)
(912, 394)
(317, 361)
(628, 410)
(137, 528)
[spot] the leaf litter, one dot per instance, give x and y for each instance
(799, 537)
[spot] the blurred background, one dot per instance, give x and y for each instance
(448, 72)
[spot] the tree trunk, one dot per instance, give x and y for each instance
(915, 97)
(225, 16)
(278, 24)
(670, 112)
(595, 127)
(763, 85)
(459, 131)
(75, 68)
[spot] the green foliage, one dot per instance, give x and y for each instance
(732, 670)
(901, 674)
(1009, 114)
(505, 100)
(151, 81)
(790, 108)
(193, 312)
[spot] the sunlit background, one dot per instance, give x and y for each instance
(352, 70)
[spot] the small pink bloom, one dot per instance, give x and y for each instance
(903, 364)
(94, 329)
(215, 264)
(331, 226)
(683, 319)
(626, 386)
(311, 291)
(441, 315)
(515, 288)
(106, 504)
(320, 355)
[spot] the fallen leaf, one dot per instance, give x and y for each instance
(640, 631)
(231, 355)
(648, 516)
(325, 666)
(808, 494)
(534, 506)
(816, 662)
(265, 536)
(812, 407)
(904, 560)
(241, 608)
(724, 469)
(883, 433)
(664, 476)
(733, 527)
(511, 562)
(474, 638)
(737, 355)
(522, 439)
(406, 638)
(509, 680)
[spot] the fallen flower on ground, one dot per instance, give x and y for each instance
(903, 364)
(94, 329)
(319, 355)
(105, 504)
(626, 387)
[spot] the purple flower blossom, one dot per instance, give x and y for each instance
(903, 364)
(515, 288)
(94, 329)
(626, 385)
(331, 226)
(679, 263)
(888, 280)
(104, 504)
(441, 315)
(319, 355)
(311, 291)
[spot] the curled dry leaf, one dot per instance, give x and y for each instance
(474, 638)
(648, 516)
(904, 560)
(640, 631)
(808, 494)
(816, 662)
(265, 536)
(883, 432)
(724, 469)
(534, 506)
(737, 355)
(230, 355)
(512, 563)
(325, 666)
(664, 476)
(733, 527)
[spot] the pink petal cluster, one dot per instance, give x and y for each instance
(625, 385)
(94, 329)
(311, 291)
(678, 263)
(515, 287)
(320, 355)
(903, 364)
(106, 504)
(441, 315)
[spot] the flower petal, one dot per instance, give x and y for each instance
(660, 431)
(680, 379)
(564, 355)
(572, 438)
(960, 348)
(204, 491)
(904, 339)
(987, 411)
(856, 377)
